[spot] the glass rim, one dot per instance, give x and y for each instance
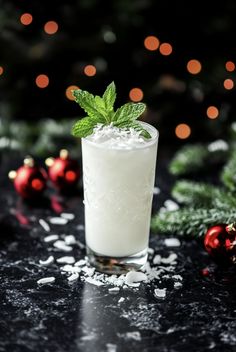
(147, 143)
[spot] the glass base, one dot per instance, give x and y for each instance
(116, 265)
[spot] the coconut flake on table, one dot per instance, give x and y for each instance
(70, 269)
(81, 262)
(70, 239)
(66, 260)
(62, 246)
(177, 277)
(178, 284)
(133, 278)
(44, 225)
(121, 300)
(73, 277)
(150, 251)
(48, 261)
(172, 257)
(160, 292)
(46, 280)
(58, 221)
(172, 242)
(156, 190)
(92, 281)
(88, 271)
(68, 216)
(114, 289)
(51, 238)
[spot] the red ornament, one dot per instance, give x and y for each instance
(63, 171)
(220, 243)
(29, 180)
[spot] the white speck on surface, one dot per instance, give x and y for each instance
(51, 238)
(46, 280)
(133, 278)
(73, 277)
(92, 281)
(171, 205)
(48, 261)
(62, 246)
(58, 221)
(80, 262)
(80, 227)
(66, 260)
(111, 347)
(114, 289)
(150, 250)
(160, 292)
(172, 257)
(178, 284)
(70, 269)
(177, 277)
(172, 242)
(44, 225)
(68, 216)
(156, 190)
(121, 300)
(70, 239)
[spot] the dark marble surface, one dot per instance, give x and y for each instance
(58, 317)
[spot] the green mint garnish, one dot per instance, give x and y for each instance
(100, 110)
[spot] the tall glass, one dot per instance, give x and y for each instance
(118, 192)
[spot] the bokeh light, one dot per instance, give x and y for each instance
(26, 19)
(51, 27)
(90, 70)
(151, 43)
(228, 84)
(1, 70)
(212, 112)
(165, 49)
(69, 94)
(230, 66)
(42, 81)
(136, 94)
(182, 131)
(194, 66)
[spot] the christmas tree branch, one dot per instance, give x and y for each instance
(228, 175)
(190, 221)
(203, 194)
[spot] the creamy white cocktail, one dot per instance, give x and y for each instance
(118, 172)
(119, 158)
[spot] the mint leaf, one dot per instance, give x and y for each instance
(135, 125)
(90, 105)
(129, 111)
(83, 127)
(109, 96)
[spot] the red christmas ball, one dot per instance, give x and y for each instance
(63, 171)
(29, 180)
(220, 243)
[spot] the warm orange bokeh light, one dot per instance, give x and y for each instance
(26, 19)
(69, 92)
(136, 94)
(51, 27)
(212, 112)
(151, 43)
(182, 131)
(42, 81)
(1, 70)
(90, 70)
(230, 66)
(165, 49)
(228, 84)
(194, 66)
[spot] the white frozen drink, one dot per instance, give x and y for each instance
(118, 176)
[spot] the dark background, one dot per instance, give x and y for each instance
(110, 36)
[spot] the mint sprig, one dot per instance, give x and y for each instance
(100, 110)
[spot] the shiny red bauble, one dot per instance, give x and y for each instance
(29, 180)
(63, 171)
(220, 243)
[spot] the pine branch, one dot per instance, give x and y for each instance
(199, 194)
(228, 175)
(191, 222)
